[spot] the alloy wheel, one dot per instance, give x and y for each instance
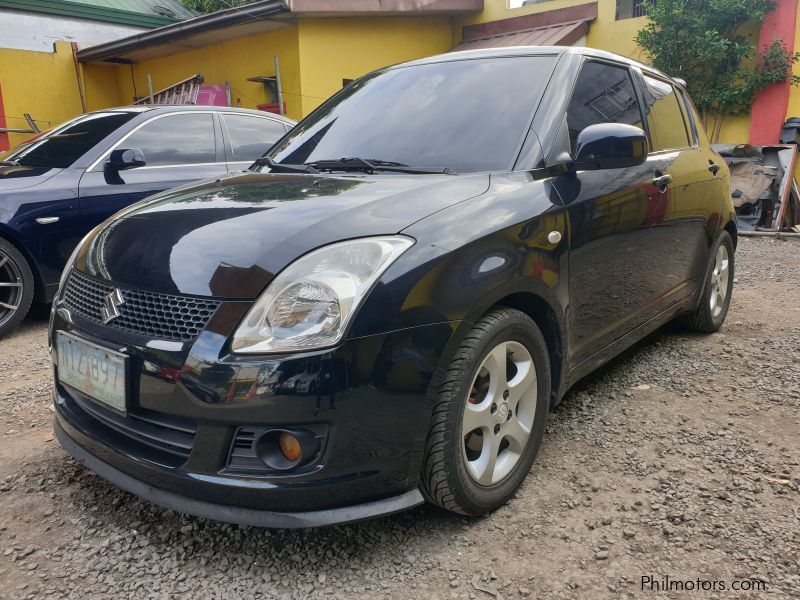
(499, 413)
(719, 281)
(10, 288)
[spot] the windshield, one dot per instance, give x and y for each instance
(465, 115)
(67, 143)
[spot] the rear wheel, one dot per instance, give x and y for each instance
(717, 291)
(489, 416)
(16, 287)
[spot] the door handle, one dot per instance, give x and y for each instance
(662, 181)
(713, 167)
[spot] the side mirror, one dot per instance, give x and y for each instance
(125, 158)
(610, 146)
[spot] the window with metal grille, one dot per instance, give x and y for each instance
(630, 9)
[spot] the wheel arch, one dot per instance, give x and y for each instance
(541, 307)
(731, 228)
(7, 234)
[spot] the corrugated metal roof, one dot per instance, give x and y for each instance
(141, 13)
(165, 8)
(562, 34)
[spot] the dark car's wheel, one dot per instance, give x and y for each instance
(16, 287)
(717, 291)
(489, 416)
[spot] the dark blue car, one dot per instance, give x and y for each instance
(54, 189)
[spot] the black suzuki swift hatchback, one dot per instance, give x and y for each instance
(383, 309)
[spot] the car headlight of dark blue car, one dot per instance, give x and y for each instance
(310, 303)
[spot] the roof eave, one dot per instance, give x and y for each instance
(169, 33)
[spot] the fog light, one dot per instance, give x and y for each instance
(290, 446)
(279, 449)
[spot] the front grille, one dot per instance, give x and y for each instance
(162, 316)
(168, 438)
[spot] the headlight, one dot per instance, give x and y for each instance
(310, 303)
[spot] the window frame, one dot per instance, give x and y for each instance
(630, 69)
(678, 96)
(228, 138)
(100, 162)
(689, 111)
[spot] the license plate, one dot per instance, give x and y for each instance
(96, 371)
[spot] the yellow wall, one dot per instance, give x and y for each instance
(605, 32)
(43, 84)
(234, 61)
(100, 86)
(316, 54)
(333, 49)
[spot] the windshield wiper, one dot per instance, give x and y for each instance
(9, 163)
(371, 165)
(266, 161)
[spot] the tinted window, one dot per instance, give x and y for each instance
(468, 115)
(252, 136)
(176, 140)
(66, 144)
(664, 117)
(603, 94)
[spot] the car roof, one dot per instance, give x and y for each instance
(531, 51)
(168, 108)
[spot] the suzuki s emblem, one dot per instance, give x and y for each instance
(110, 309)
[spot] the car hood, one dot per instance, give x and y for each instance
(15, 178)
(228, 238)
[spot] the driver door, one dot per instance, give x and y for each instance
(617, 221)
(179, 148)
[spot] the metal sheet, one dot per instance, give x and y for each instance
(563, 34)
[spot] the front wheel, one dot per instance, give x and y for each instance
(717, 291)
(16, 287)
(489, 416)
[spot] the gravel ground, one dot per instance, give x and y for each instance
(679, 459)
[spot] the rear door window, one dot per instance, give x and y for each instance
(603, 93)
(664, 116)
(251, 136)
(181, 139)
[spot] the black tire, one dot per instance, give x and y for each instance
(445, 479)
(14, 269)
(703, 319)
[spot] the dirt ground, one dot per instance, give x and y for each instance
(679, 460)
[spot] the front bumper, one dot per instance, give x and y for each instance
(233, 514)
(187, 406)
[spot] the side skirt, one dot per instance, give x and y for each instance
(616, 347)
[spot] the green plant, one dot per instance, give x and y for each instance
(214, 5)
(710, 44)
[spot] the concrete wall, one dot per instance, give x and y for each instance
(38, 31)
